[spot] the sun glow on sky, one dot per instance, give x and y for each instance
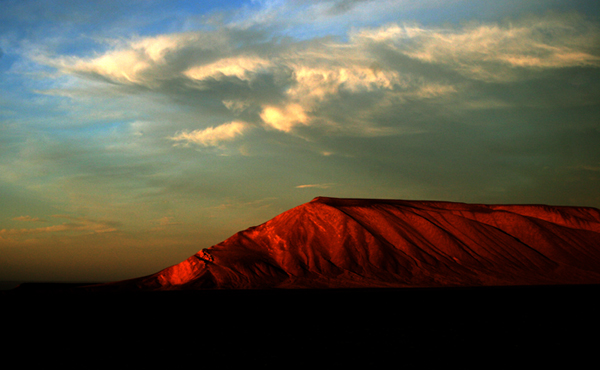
(133, 134)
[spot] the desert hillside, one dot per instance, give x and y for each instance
(371, 243)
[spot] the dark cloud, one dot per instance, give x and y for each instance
(342, 6)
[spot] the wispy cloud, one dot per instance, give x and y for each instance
(255, 204)
(75, 224)
(241, 83)
(494, 52)
(284, 118)
(275, 86)
(167, 220)
(136, 61)
(293, 85)
(164, 223)
(318, 186)
(212, 136)
(29, 219)
(589, 168)
(241, 67)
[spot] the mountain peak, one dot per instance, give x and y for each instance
(361, 243)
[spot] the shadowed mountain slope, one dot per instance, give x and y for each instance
(367, 243)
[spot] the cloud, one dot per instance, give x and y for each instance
(379, 82)
(167, 220)
(255, 204)
(76, 224)
(493, 52)
(310, 18)
(281, 86)
(588, 168)
(29, 219)
(213, 136)
(342, 6)
(241, 67)
(148, 61)
(284, 119)
(315, 84)
(318, 186)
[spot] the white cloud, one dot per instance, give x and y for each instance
(241, 67)
(350, 87)
(316, 84)
(142, 61)
(284, 119)
(390, 33)
(295, 82)
(492, 52)
(318, 186)
(213, 136)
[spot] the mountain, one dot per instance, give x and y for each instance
(374, 243)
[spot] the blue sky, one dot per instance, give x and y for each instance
(133, 134)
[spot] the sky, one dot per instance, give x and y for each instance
(134, 134)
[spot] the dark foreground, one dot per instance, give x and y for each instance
(289, 328)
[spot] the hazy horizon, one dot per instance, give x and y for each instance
(133, 134)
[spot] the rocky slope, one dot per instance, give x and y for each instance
(366, 243)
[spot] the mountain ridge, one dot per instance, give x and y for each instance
(390, 243)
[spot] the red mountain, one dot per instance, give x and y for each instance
(364, 243)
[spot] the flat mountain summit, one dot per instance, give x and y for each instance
(377, 243)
